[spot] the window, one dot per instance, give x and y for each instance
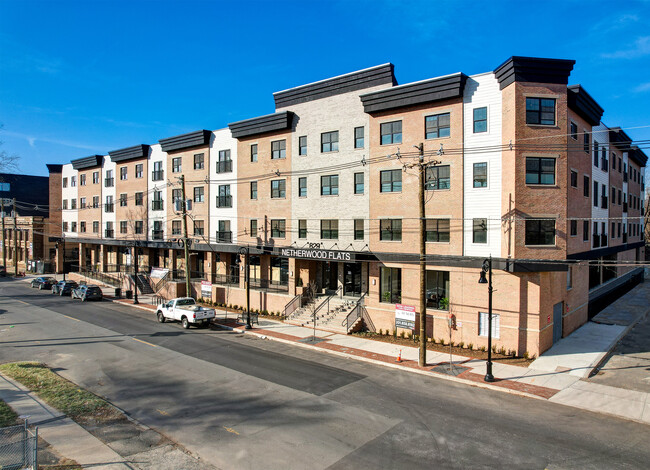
(437, 230)
(176, 165)
(480, 175)
(82, 180)
(224, 163)
(358, 137)
(480, 120)
(302, 145)
(603, 158)
(65, 226)
(278, 149)
(139, 170)
(157, 203)
(278, 188)
(224, 234)
(198, 227)
(329, 229)
(139, 227)
(329, 141)
(108, 207)
(595, 194)
(224, 199)
(479, 231)
(123, 200)
(574, 228)
(540, 111)
(95, 177)
(253, 153)
(82, 203)
(358, 183)
(95, 202)
(596, 154)
(585, 142)
(390, 229)
(484, 321)
(157, 174)
(437, 177)
(391, 132)
(198, 194)
(96, 226)
(613, 232)
(109, 182)
(139, 199)
(253, 189)
(574, 179)
(123, 173)
(109, 229)
(302, 229)
(390, 285)
(603, 197)
(176, 227)
(177, 195)
(82, 227)
(65, 185)
(585, 190)
(157, 231)
(73, 182)
(437, 289)
(123, 226)
(278, 228)
(437, 126)
(302, 187)
(73, 227)
(540, 170)
(199, 161)
(390, 181)
(619, 230)
(253, 228)
(574, 131)
(359, 229)
(73, 203)
(329, 185)
(540, 232)
(65, 204)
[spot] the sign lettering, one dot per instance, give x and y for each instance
(405, 316)
(325, 255)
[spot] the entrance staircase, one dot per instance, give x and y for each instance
(142, 283)
(330, 314)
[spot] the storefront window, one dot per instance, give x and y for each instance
(390, 285)
(280, 271)
(438, 290)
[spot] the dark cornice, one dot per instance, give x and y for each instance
(584, 105)
(54, 168)
(427, 91)
(261, 125)
(87, 162)
(623, 142)
(594, 254)
(533, 69)
(185, 141)
(129, 153)
(638, 156)
(374, 76)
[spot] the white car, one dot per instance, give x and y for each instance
(185, 310)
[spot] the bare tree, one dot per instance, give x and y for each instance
(7, 162)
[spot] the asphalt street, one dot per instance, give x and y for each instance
(237, 401)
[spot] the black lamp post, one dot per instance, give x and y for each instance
(135, 270)
(247, 279)
(487, 268)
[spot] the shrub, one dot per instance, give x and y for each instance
(381, 332)
(264, 312)
(410, 335)
(461, 344)
(236, 307)
(494, 348)
(451, 343)
(482, 348)
(442, 341)
(402, 334)
(502, 351)
(470, 346)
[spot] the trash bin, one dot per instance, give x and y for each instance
(129, 294)
(118, 292)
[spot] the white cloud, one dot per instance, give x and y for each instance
(642, 87)
(640, 48)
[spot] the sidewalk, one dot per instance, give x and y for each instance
(67, 437)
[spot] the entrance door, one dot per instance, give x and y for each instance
(557, 321)
(352, 284)
(330, 276)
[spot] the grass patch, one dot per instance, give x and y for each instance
(60, 393)
(7, 415)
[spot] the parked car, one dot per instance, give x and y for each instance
(3, 271)
(87, 292)
(64, 287)
(185, 310)
(43, 282)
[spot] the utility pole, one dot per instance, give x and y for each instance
(135, 271)
(246, 251)
(15, 241)
(423, 253)
(187, 251)
(4, 247)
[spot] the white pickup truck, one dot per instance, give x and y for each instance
(185, 310)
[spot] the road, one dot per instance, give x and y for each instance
(241, 402)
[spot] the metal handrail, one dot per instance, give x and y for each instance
(327, 301)
(355, 313)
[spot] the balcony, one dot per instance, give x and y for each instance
(157, 205)
(603, 239)
(224, 237)
(109, 207)
(109, 182)
(596, 239)
(604, 164)
(224, 201)
(109, 233)
(157, 175)
(224, 166)
(156, 234)
(625, 207)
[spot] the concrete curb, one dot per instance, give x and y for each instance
(385, 364)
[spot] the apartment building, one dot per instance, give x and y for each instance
(322, 195)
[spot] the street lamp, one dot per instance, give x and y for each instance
(247, 278)
(135, 270)
(487, 268)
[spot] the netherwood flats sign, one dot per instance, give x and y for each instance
(325, 255)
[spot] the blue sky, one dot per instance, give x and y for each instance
(79, 78)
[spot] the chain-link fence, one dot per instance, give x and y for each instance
(18, 447)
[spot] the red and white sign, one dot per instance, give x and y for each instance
(206, 289)
(405, 316)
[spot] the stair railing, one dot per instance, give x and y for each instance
(326, 302)
(359, 311)
(299, 301)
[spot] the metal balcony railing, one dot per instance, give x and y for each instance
(224, 201)
(596, 239)
(604, 164)
(224, 166)
(224, 237)
(157, 234)
(604, 202)
(109, 233)
(157, 175)
(109, 182)
(157, 205)
(603, 239)
(109, 207)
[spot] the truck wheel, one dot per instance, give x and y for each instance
(185, 323)
(161, 317)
